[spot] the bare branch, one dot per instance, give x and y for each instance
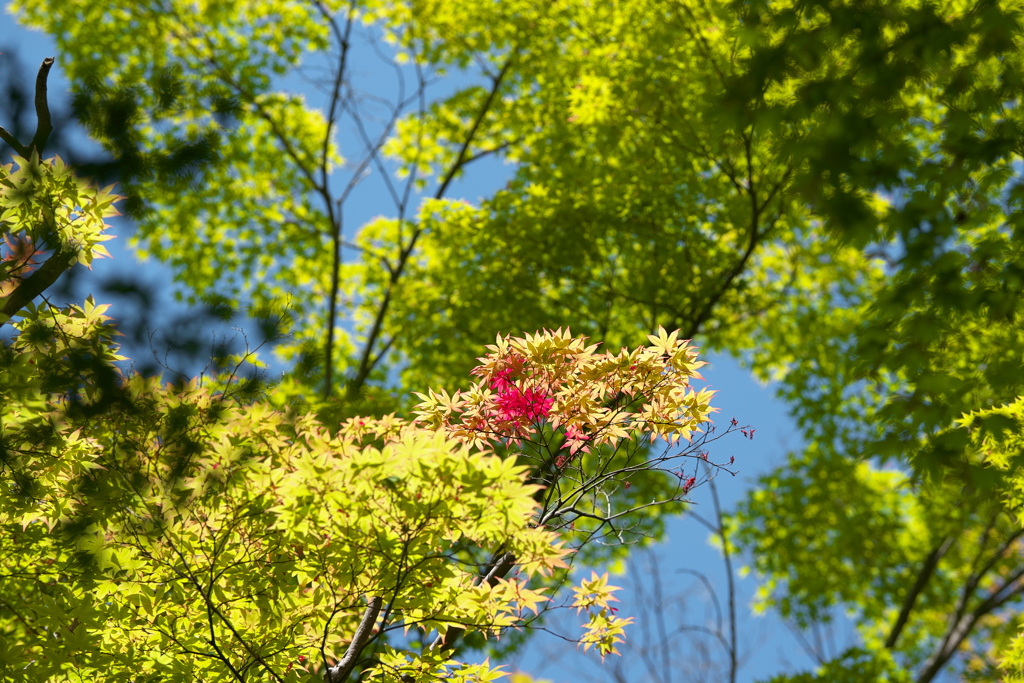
(43, 125)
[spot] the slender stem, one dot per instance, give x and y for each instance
(334, 213)
(729, 578)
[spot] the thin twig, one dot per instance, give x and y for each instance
(730, 580)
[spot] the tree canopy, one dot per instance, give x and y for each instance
(828, 190)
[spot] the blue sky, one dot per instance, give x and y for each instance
(767, 646)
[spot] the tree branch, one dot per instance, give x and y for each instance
(923, 576)
(961, 622)
(499, 570)
(341, 671)
(60, 260)
(730, 580)
(368, 360)
(36, 283)
(756, 235)
(334, 217)
(43, 125)
(961, 629)
(6, 136)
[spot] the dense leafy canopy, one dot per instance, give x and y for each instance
(158, 532)
(829, 190)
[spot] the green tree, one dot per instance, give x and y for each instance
(172, 532)
(826, 189)
(161, 532)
